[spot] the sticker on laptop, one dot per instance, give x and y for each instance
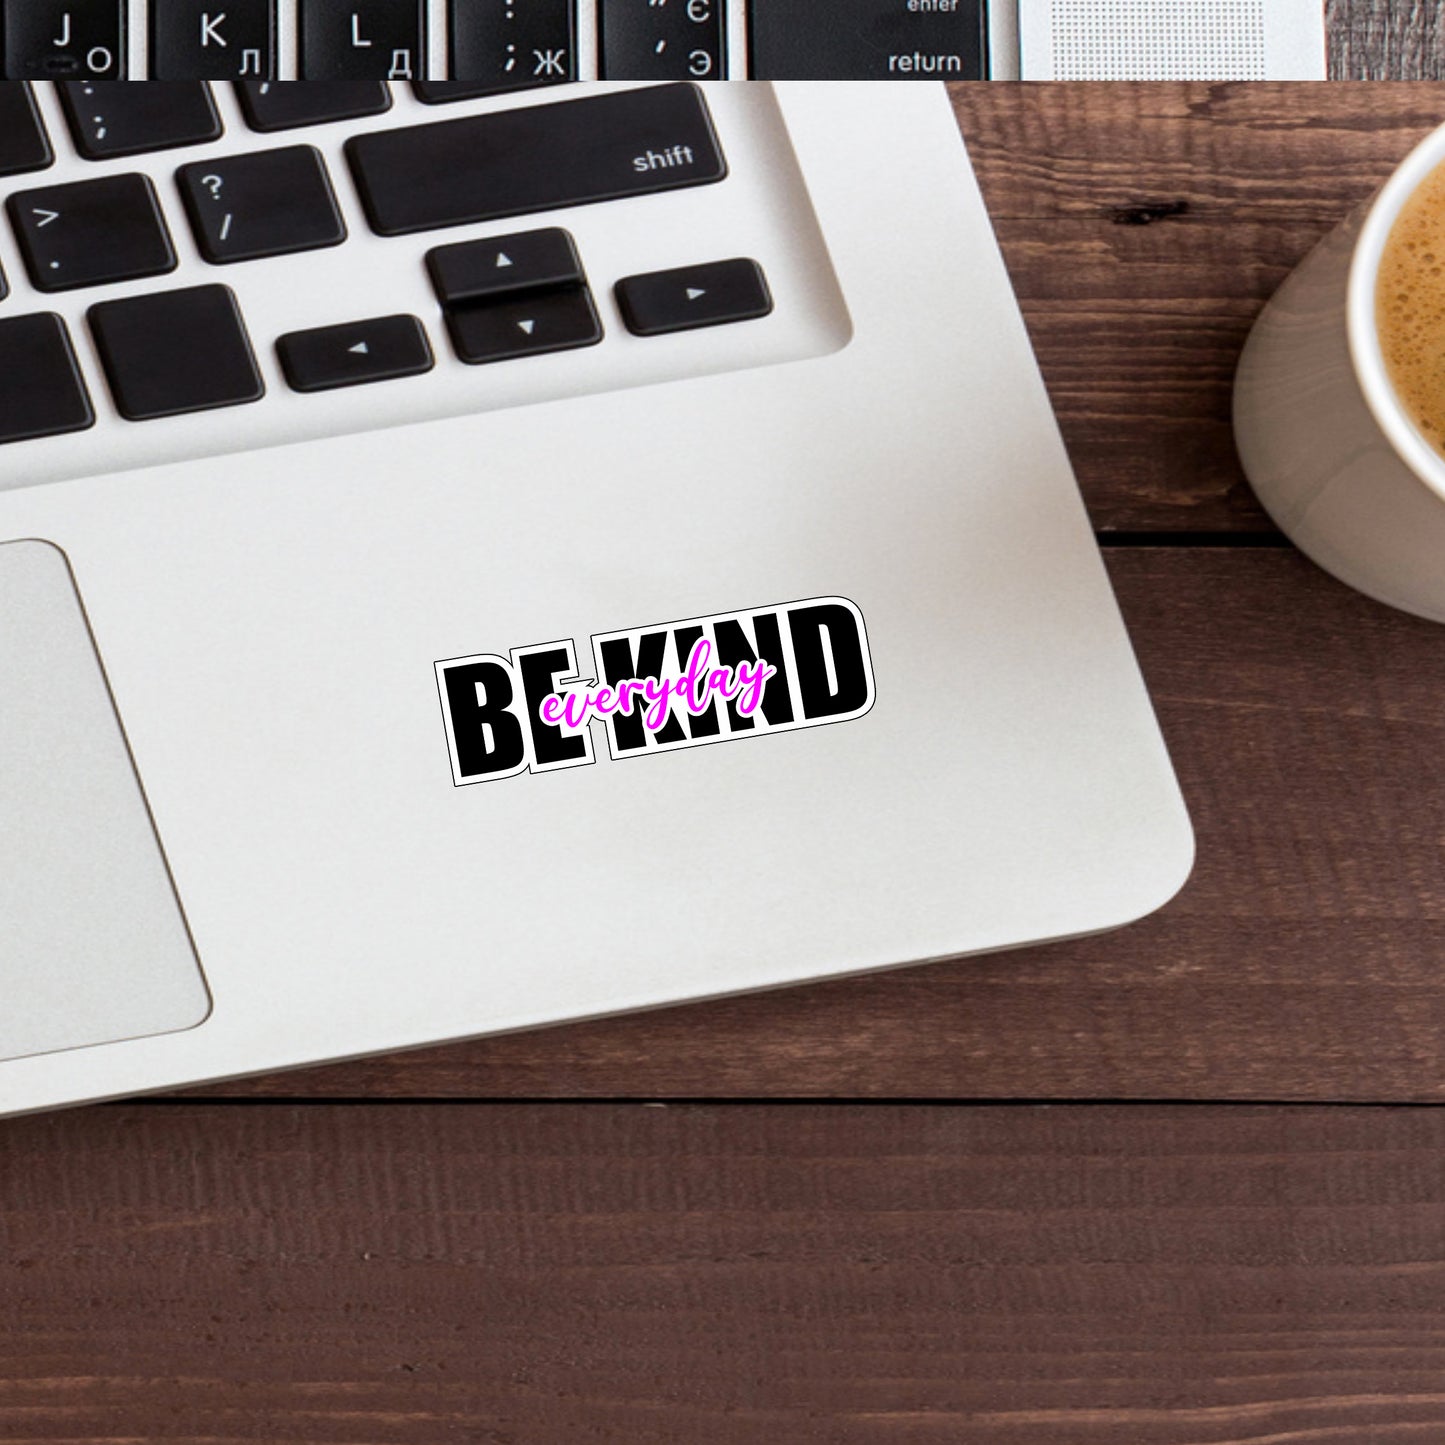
(656, 689)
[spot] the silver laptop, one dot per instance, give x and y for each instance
(470, 567)
(508, 43)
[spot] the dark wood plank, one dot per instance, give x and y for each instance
(814, 1275)
(1386, 39)
(1306, 958)
(1144, 227)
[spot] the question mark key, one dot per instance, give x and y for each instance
(268, 203)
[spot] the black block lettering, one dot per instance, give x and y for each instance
(618, 664)
(808, 624)
(703, 725)
(733, 647)
(487, 734)
(540, 671)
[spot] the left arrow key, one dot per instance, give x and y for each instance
(91, 233)
(382, 349)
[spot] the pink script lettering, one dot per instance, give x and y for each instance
(697, 688)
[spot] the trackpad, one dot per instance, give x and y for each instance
(93, 946)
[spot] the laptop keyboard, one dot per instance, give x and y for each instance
(194, 269)
(494, 44)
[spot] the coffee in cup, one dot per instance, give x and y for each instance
(1410, 307)
(1339, 402)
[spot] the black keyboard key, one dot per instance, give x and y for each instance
(501, 45)
(363, 39)
(24, 146)
(536, 158)
(382, 349)
(483, 270)
(445, 92)
(880, 40)
(694, 296)
(664, 39)
(213, 39)
(175, 352)
(65, 39)
(121, 118)
(273, 105)
(528, 325)
(90, 233)
(41, 390)
(269, 203)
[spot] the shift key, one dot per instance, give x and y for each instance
(535, 158)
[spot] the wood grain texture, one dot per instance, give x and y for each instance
(1144, 227)
(1386, 39)
(1304, 960)
(815, 1276)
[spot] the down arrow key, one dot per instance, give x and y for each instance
(528, 325)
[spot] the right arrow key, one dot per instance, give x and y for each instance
(689, 297)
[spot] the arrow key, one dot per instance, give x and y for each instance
(475, 271)
(529, 325)
(91, 233)
(693, 296)
(358, 352)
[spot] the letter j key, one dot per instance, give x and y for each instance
(65, 39)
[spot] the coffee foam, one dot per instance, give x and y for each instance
(1410, 307)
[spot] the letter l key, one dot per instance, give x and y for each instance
(362, 39)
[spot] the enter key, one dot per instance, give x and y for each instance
(878, 40)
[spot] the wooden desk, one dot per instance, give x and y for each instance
(346, 1256)
(1386, 39)
(1144, 227)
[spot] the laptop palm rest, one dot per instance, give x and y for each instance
(93, 946)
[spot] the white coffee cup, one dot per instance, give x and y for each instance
(1331, 452)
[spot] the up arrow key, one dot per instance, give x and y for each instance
(360, 349)
(472, 273)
